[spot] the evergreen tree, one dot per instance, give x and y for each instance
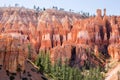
(47, 64)
(70, 74)
(38, 63)
(34, 7)
(44, 9)
(60, 71)
(38, 8)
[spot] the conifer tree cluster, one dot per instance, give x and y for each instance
(60, 71)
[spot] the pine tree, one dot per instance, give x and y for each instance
(47, 64)
(38, 63)
(34, 7)
(37, 9)
(70, 74)
(64, 72)
(60, 71)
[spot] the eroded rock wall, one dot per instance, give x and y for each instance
(57, 31)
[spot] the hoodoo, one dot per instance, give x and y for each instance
(25, 32)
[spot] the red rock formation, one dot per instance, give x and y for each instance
(114, 51)
(77, 55)
(13, 52)
(57, 31)
(56, 38)
(60, 52)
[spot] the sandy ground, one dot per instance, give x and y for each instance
(113, 74)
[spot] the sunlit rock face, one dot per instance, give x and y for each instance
(114, 51)
(64, 34)
(14, 51)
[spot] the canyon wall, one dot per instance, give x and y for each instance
(64, 34)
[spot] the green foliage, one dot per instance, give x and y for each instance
(60, 71)
(93, 74)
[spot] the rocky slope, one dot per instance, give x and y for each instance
(65, 34)
(30, 73)
(113, 70)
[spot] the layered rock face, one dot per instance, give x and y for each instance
(65, 34)
(14, 51)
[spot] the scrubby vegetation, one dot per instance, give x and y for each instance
(60, 71)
